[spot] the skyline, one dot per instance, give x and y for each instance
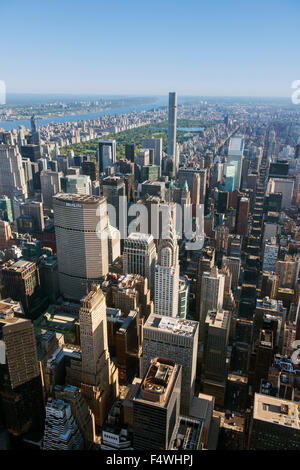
(221, 49)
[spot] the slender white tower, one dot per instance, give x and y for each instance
(167, 275)
(172, 130)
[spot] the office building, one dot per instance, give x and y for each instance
(166, 287)
(12, 178)
(128, 292)
(6, 209)
(107, 154)
(21, 281)
(196, 179)
(113, 190)
(242, 216)
(81, 412)
(5, 234)
(129, 152)
(234, 266)
(263, 359)
(125, 342)
(50, 186)
(211, 297)
(175, 339)
(31, 151)
(206, 261)
(288, 271)
(275, 424)
(21, 399)
(139, 256)
(90, 169)
(143, 157)
(34, 209)
(235, 158)
(156, 145)
(183, 298)
(216, 337)
(156, 406)
(284, 186)
(81, 225)
(221, 235)
(150, 173)
(76, 184)
(114, 244)
(269, 285)
(99, 383)
(61, 431)
(270, 255)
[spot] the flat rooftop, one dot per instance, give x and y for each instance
(188, 433)
(277, 410)
(78, 198)
(19, 266)
(217, 319)
(176, 326)
(157, 382)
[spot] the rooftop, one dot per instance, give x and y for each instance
(157, 381)
(8, 309)
(176, 326)
(188, 432)
(18, 266)
(217, 319)
(277, 411)
(78, 198)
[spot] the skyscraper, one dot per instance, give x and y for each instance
(140, 256)
(76, 184)
(61, 431)
(234, 265)
(81, 225)
(235, 158)
(274, 424)
(106, 154)
(175, 339)
(99, 379)
(172, 123)
(35, 131)
(6, 209)
(212, 294)
(12, 177)
(50, 185)
(129, 152)
(90, 169)
(167, 275)
(21, 400)
(156, 144)
(156, 405)
(270, 255)
(113, 190)
(21, 281)
(217, 326)
(34, 209)
(242, 216)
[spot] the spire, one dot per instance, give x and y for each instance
(168, 247)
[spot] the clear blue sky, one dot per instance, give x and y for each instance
(195, 47)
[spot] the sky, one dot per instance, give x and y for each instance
(146, 47)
